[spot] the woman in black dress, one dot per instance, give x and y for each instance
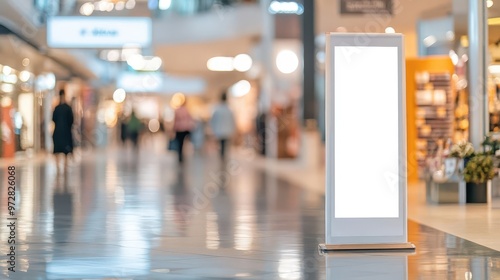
(63, 121)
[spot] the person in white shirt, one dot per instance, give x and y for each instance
(223, 124)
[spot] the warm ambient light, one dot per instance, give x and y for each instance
(177, 100)
(119, 95)
(494, 69)
(489, 3)
(494, 21)
(287, 61)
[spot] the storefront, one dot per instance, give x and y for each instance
(17, 111)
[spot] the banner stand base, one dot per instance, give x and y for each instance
(368, 247)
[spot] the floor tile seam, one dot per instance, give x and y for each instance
(456, 234)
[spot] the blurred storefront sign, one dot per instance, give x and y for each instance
(155, 82)
(98, 32)
(365, 7)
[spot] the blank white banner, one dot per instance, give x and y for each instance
(366, 132)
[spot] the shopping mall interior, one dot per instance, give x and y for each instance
(189, 139)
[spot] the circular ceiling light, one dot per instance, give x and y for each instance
(242, 62)
(287, 61)
(119, 95)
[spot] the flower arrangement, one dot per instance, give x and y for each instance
(491, 144)
(462, 149)
(479, 169)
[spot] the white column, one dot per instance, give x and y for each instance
(268, 77)
(478, 97)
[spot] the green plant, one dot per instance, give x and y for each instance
(479, 169)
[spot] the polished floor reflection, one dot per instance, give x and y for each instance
(117, 215)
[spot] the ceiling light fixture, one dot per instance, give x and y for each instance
(164, 4)
(287, 61)
(220, 63)
(241, 88)
(242, 62)
(277, 7)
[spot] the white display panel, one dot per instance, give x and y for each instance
(98, 32)
(365, 140)
(366, 132)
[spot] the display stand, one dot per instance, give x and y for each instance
(365, 207)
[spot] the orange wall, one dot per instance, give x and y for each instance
(413, 65)
(8, 146)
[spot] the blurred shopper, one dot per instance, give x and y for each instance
(123, 129)
(223, 124)
(198, 135)
(63, 122)
(133, 128)
(183, 124)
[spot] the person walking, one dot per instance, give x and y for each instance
(63, 121)
(134, 126)
(183, 124)
(223, 124)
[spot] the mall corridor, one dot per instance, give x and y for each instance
(121, 216)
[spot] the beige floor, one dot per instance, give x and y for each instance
(477, 223)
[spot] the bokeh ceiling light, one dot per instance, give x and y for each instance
(489, 3)
(141, 63)
(24, 76)
(429, 41)
(164, 4)
(242, 62)
(177, 100)
(390, 30)
(220, 63)
(154, 125)
(87, 9)
(10, 79)
(113, 55)
(494, 69)
(119, 95)
(130, 4)
(241, 88)
(120, 6)
(26, 62)
(277, 7)
(287, 61)
(7, 88)
(6, 70)
(6, 102)
(450, 35)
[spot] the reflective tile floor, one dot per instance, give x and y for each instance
(117, 215)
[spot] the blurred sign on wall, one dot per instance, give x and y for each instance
(98, 32)
(155, 82)
(348, 7)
